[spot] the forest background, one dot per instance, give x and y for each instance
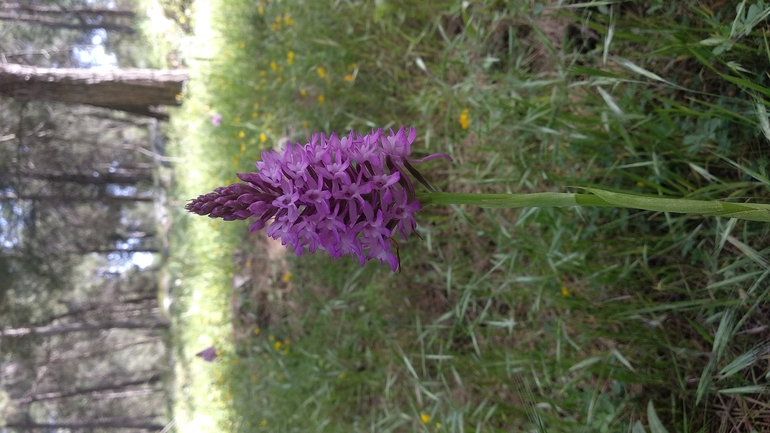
(84, 329)
(536, 319)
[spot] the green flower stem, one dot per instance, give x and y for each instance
(598, 197)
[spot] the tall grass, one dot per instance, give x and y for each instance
(540, 319)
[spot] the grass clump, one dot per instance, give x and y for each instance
(545, 319)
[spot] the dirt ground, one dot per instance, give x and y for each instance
(261, 285)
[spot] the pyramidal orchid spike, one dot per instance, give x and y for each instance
(344, 194)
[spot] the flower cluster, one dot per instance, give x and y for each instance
(345, 195)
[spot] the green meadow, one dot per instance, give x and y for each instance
(550, 320)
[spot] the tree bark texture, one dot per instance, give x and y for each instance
(137, 91)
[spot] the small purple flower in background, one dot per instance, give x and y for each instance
(208, 355)
(216, 119)
(344, 195)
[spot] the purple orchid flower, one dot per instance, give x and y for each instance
(346, 196)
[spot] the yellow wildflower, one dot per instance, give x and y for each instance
(256, 330)
(321, 99)
(241, 134)
(256, 105)
(254, 114)
(640, 184)
(179, 96)
(263, 423)
(287, 341)
(321, 71)
(564, 291)
(285, 351)
(286, 277)
(273, 66)
(271, 338)
(464, 119)
(262, 137)
(278, 19)
(290, 57)
(425, 418)
(277, 345)
(237, 120)
(242, 45)
(254, 378)
(349, 78)
(262, 73)
(260, 10)
(303, 92)
(256, 87)
(305, 125)
(288, 21)
(352, 66)
(243, 147)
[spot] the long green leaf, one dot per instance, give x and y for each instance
(748, 211)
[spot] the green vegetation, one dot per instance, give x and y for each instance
(590, 319)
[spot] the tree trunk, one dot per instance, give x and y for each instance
(128, 13)
(102, 306)
(125, 394)
(80, 327)
(125, 423)
(137, 91)
(86, 250)
(81, 25)
(90, 390)
(9, 196)
(82, 356)
(130, 178)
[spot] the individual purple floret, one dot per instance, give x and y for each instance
(216, 119)
(345, 195)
